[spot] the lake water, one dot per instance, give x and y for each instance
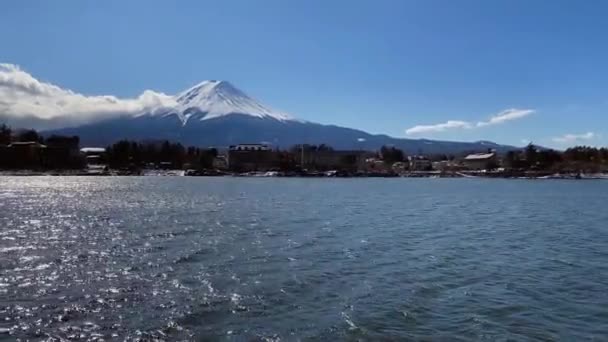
(179, 258)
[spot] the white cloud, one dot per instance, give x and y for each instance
(452, 124)
(506, 115)
(497, 119)
(22, 95)
(574, 138)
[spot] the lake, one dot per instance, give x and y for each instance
(181, 258)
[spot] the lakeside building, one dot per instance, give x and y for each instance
(260, 157)
(447, 165)
(220, 162)
(95, 157)
(62, 152)
(481, 161)
(25, 154)
(376, 165)
(57, 153)
(401, 167)
(251, 157)
(324, 160)
(249, 147)
(420, 163)
(97, 152)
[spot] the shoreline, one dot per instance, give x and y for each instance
(331, 174)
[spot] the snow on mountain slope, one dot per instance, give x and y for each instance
(212, 113)
(28, 102)
(215, 113)
(213, 99)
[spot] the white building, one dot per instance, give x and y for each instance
(250, 147)
(481, 161)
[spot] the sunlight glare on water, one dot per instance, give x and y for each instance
(193, 258)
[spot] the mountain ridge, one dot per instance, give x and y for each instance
(216, 113)
(219, 98)
(239, 128)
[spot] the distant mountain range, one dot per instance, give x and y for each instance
(215, 113)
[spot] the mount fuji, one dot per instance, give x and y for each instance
(216, 113)
(214, 99)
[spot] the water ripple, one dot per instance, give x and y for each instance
(144, 258)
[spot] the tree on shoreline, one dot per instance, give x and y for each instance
(391, 155)
(5, 134)
(29, 135)
(132, 155)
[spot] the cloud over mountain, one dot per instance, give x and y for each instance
(506, 115)
(22, 96)
(210, 113)
(441, 127)
(497, 119)
(574, 138)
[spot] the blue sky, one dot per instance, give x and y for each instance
(384, 66)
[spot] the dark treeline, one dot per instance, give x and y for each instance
(164, 154)
(5, 135)
(27, 149)
(391, 155)
(575, 159)
(8, 136)
(310, 148)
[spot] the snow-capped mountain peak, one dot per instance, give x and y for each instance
(214, 99)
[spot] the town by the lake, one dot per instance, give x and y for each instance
(26, 152)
